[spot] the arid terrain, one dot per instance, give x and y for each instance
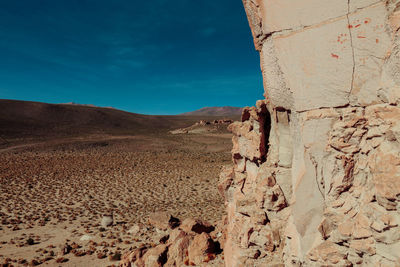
(62, 168)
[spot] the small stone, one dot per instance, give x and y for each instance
(86, 238)
(79, 253)
(34, 263)
(107, 220)
(134, 229)
(115, 257)
(65, 249)
(61, 260)
(101, 255)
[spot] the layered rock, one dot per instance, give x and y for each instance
(321, 184)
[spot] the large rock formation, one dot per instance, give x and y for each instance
(322, 185)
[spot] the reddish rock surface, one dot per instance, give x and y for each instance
(163, 220)
(188, 244)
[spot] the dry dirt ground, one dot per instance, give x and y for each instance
(53, 194)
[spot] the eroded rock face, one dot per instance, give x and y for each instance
(321, 186)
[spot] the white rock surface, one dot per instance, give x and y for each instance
(321, 187)
(107, 220)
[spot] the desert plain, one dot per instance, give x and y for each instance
(56, 187)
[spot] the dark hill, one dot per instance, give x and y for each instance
(23, 119)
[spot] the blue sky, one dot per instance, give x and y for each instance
(151, 57)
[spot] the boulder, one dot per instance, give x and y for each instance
(196, 226)
(163, 220)
(201, 249)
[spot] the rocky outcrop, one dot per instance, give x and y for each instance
(192, 242)
(204, 126)
(316, 175)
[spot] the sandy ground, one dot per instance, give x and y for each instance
(54, 194)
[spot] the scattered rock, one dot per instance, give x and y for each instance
(34, 262)
(61, 260)
(65, 249)
(30, 241)
(101, 255)
(189, 243)
(107, 220)
(134, 229)
(115, 257)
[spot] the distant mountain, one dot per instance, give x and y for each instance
(86, 105)
(21, 119)
(215, 111)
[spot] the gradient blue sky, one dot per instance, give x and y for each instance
(151, 57)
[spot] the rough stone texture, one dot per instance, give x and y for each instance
(321, 186)
(201, 249)
(194, 242)
(197, 226)
(163, 220)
